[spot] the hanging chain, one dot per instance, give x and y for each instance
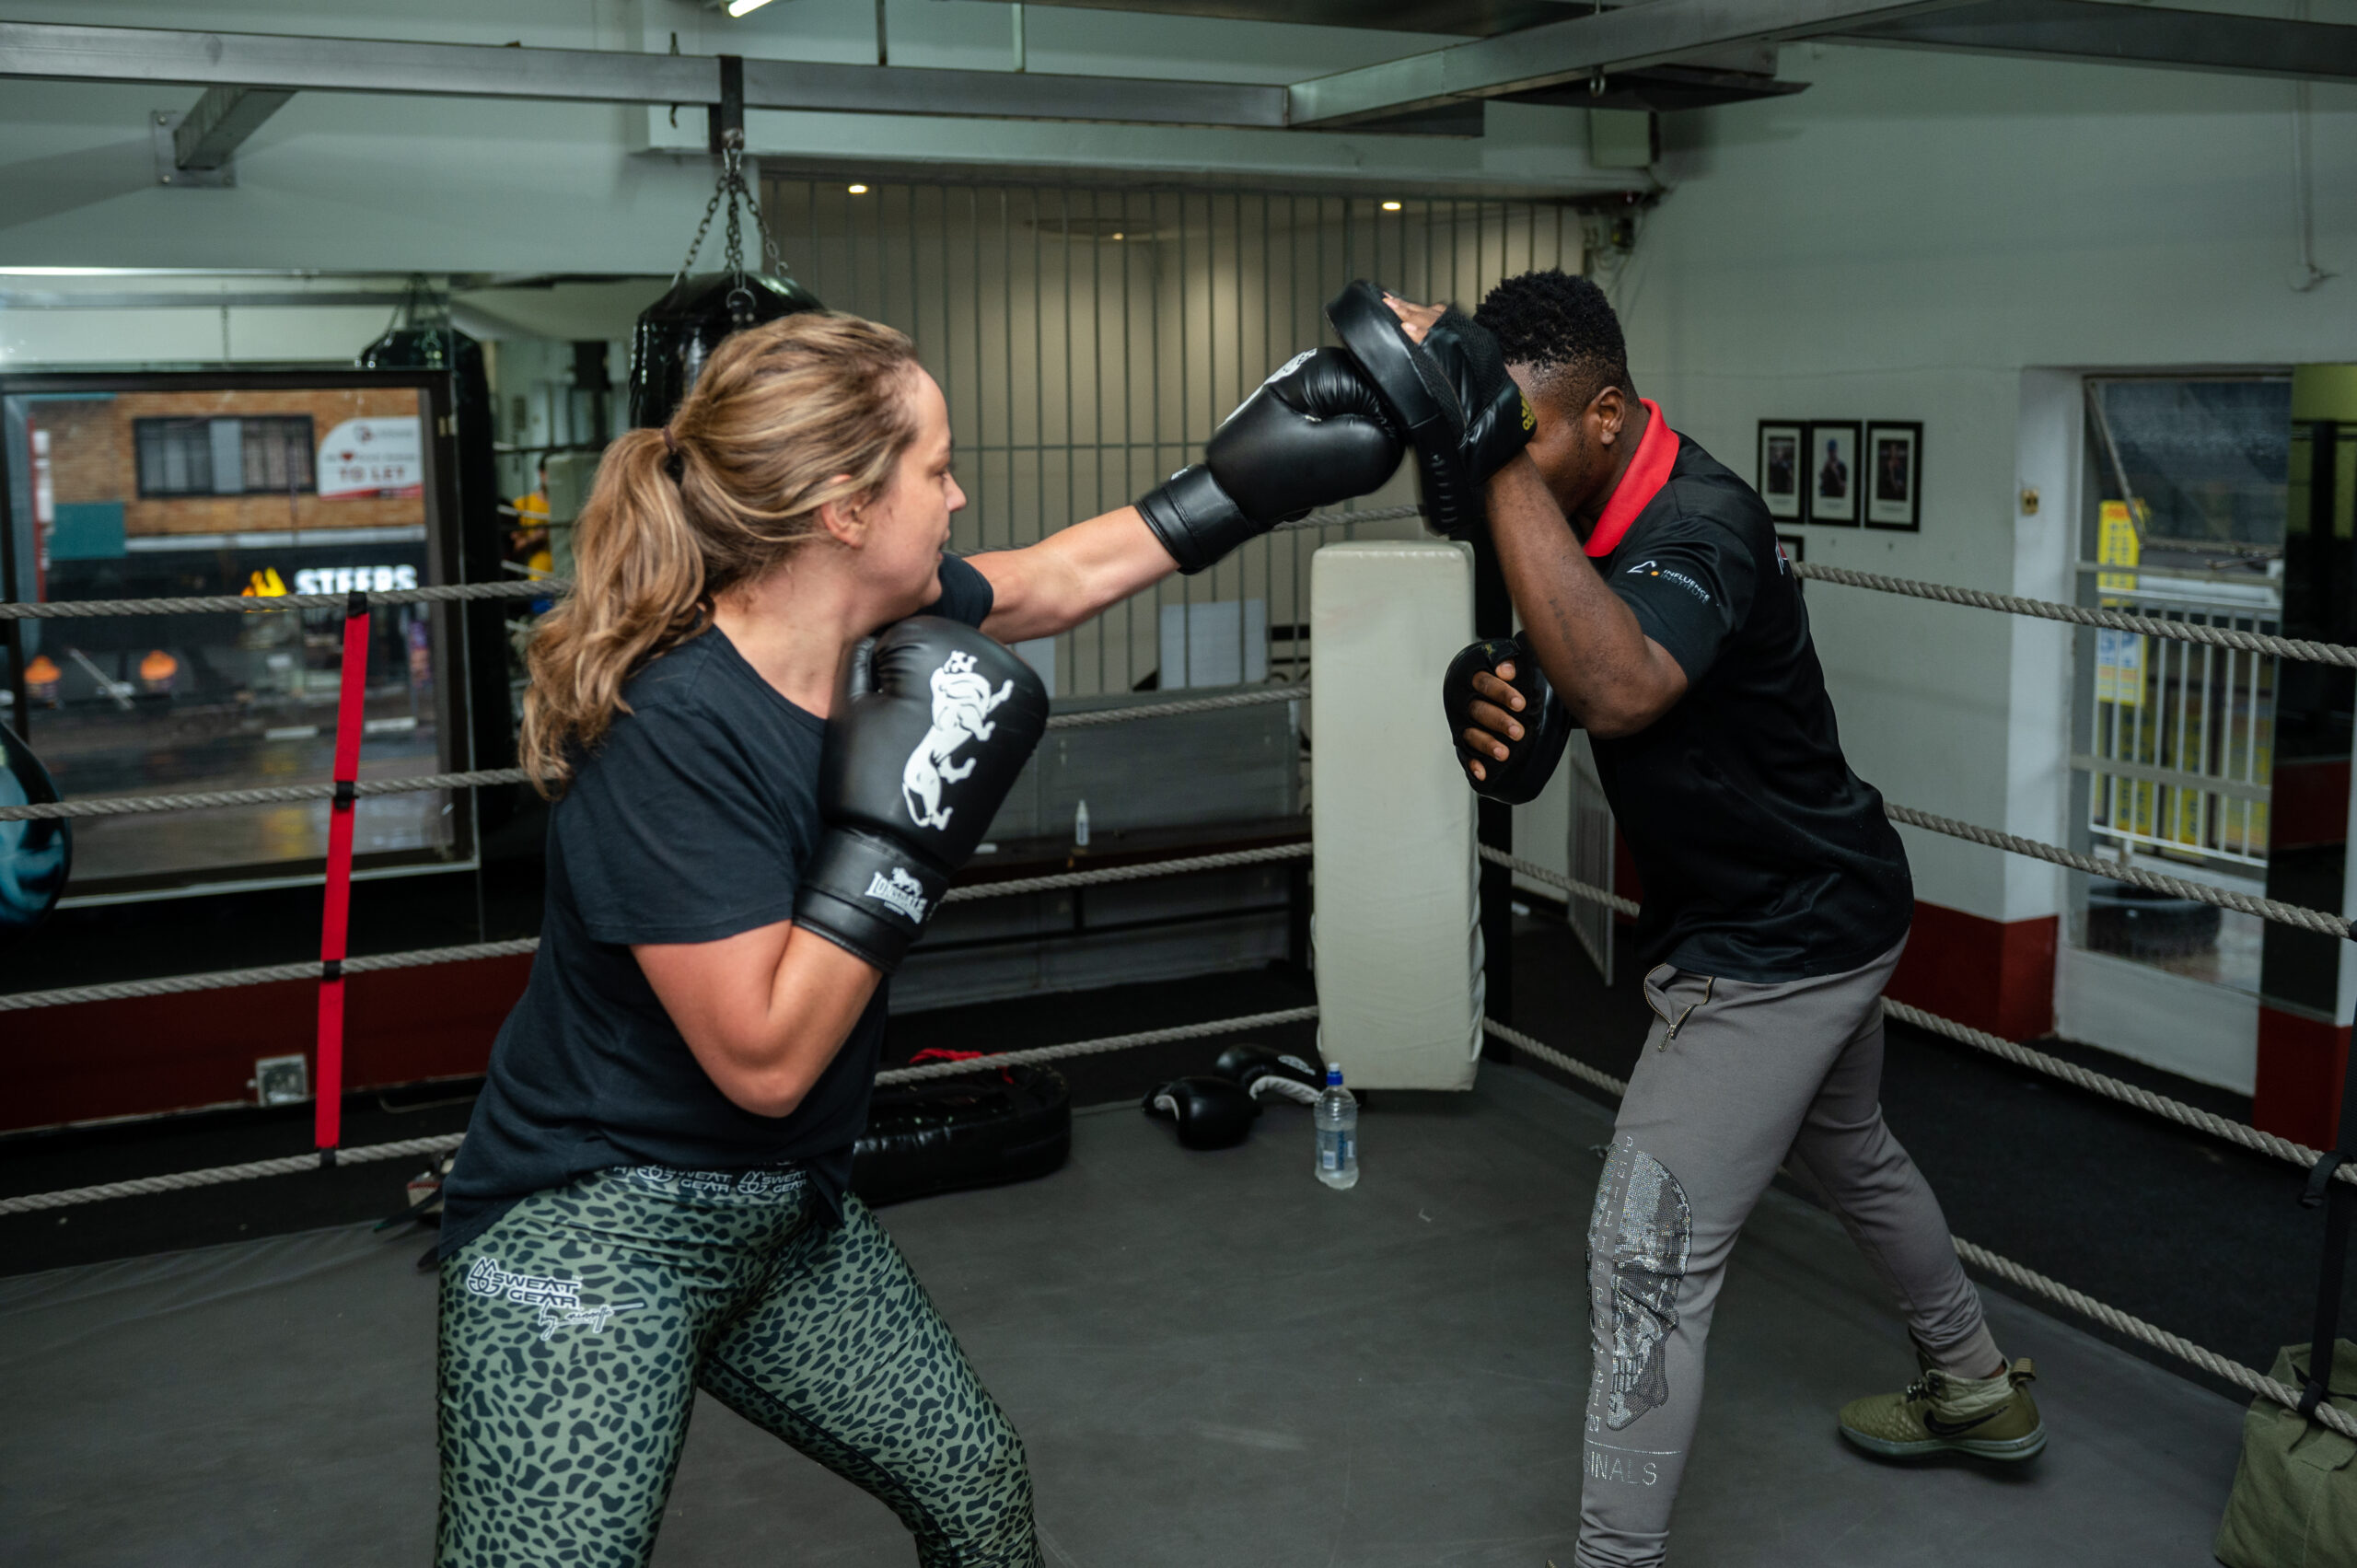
(741, 199)
(697, 243)
(732, 179)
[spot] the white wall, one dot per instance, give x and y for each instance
(1905, 240)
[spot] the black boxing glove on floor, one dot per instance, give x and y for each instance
(1261, 1072)
(1212, 1113)
(1547, 725)
(1451, 394)
(1315, 433)
(932, 721)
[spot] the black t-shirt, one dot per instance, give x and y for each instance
(1763, 857)
(690, 821)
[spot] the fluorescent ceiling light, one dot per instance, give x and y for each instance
(738, 8)
(856, 190)
(1390, 207)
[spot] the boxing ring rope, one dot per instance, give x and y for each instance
(2177, 1110)
(2160, 1105)
(129, 805)
(2298, 915)
(2268, 909)
(2081, 615)
(548, 587)
(1038, 1054)
(442, 1143)
(268, 975)
(142, 1185)
(2014, 1274)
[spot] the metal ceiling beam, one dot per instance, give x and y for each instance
(1008, 95)
(51, 299)
(2084, 31)
(66, 53)
(1465, 18)
(1575, 49)
(208, 133)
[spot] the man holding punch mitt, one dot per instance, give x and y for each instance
(1660, 615)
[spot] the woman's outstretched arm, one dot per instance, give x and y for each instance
(1072, 574)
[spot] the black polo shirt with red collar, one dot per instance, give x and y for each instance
(1763, 857)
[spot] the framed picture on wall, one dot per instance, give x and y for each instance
(1894, 475)
(1829, 472)
(1780, 466)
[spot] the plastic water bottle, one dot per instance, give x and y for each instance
(1080, 826)
(1338, 1134)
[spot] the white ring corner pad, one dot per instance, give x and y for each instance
(1397, 942)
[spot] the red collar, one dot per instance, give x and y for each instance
(1643, 480)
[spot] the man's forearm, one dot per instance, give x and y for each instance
(1613, 677)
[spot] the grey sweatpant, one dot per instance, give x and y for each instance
(1734, 1076)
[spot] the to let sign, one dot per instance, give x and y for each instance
(366, 458)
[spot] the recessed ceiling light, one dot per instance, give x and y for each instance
(738, 8)
(1116, 234)
(1390, 207)
(856, 190)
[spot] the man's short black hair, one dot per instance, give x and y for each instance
(1564, 327)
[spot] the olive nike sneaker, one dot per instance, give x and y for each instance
(1991, 1418)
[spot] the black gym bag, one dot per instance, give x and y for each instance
(947, 1134)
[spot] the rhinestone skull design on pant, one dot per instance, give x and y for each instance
(1735, 1078)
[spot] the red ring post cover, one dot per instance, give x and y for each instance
(335, 920)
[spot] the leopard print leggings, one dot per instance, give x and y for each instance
(575, 1330)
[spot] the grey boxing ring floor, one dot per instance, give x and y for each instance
(1212, 1360)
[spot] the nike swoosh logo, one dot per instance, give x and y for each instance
(1939, 1428)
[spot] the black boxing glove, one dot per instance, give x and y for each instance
(1259, 1072)
(1451, 394)
(1315, 433)
(1212, 1113)
(1547, 725)
(932, 721)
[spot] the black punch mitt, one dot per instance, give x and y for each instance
(1452, 395)
(1547, 725)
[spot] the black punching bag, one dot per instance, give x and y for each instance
(677, 332)
(444, 348)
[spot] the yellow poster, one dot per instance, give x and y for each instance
(2117, 545)
(2119, 655)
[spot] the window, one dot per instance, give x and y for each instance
(277, 454)
(251, 455)
(175, 457)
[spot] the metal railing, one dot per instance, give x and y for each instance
(2177, 739)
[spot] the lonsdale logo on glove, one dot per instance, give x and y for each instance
(902, 893)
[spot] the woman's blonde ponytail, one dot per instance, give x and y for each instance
(786, 417)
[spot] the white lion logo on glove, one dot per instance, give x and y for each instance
(962, 702)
